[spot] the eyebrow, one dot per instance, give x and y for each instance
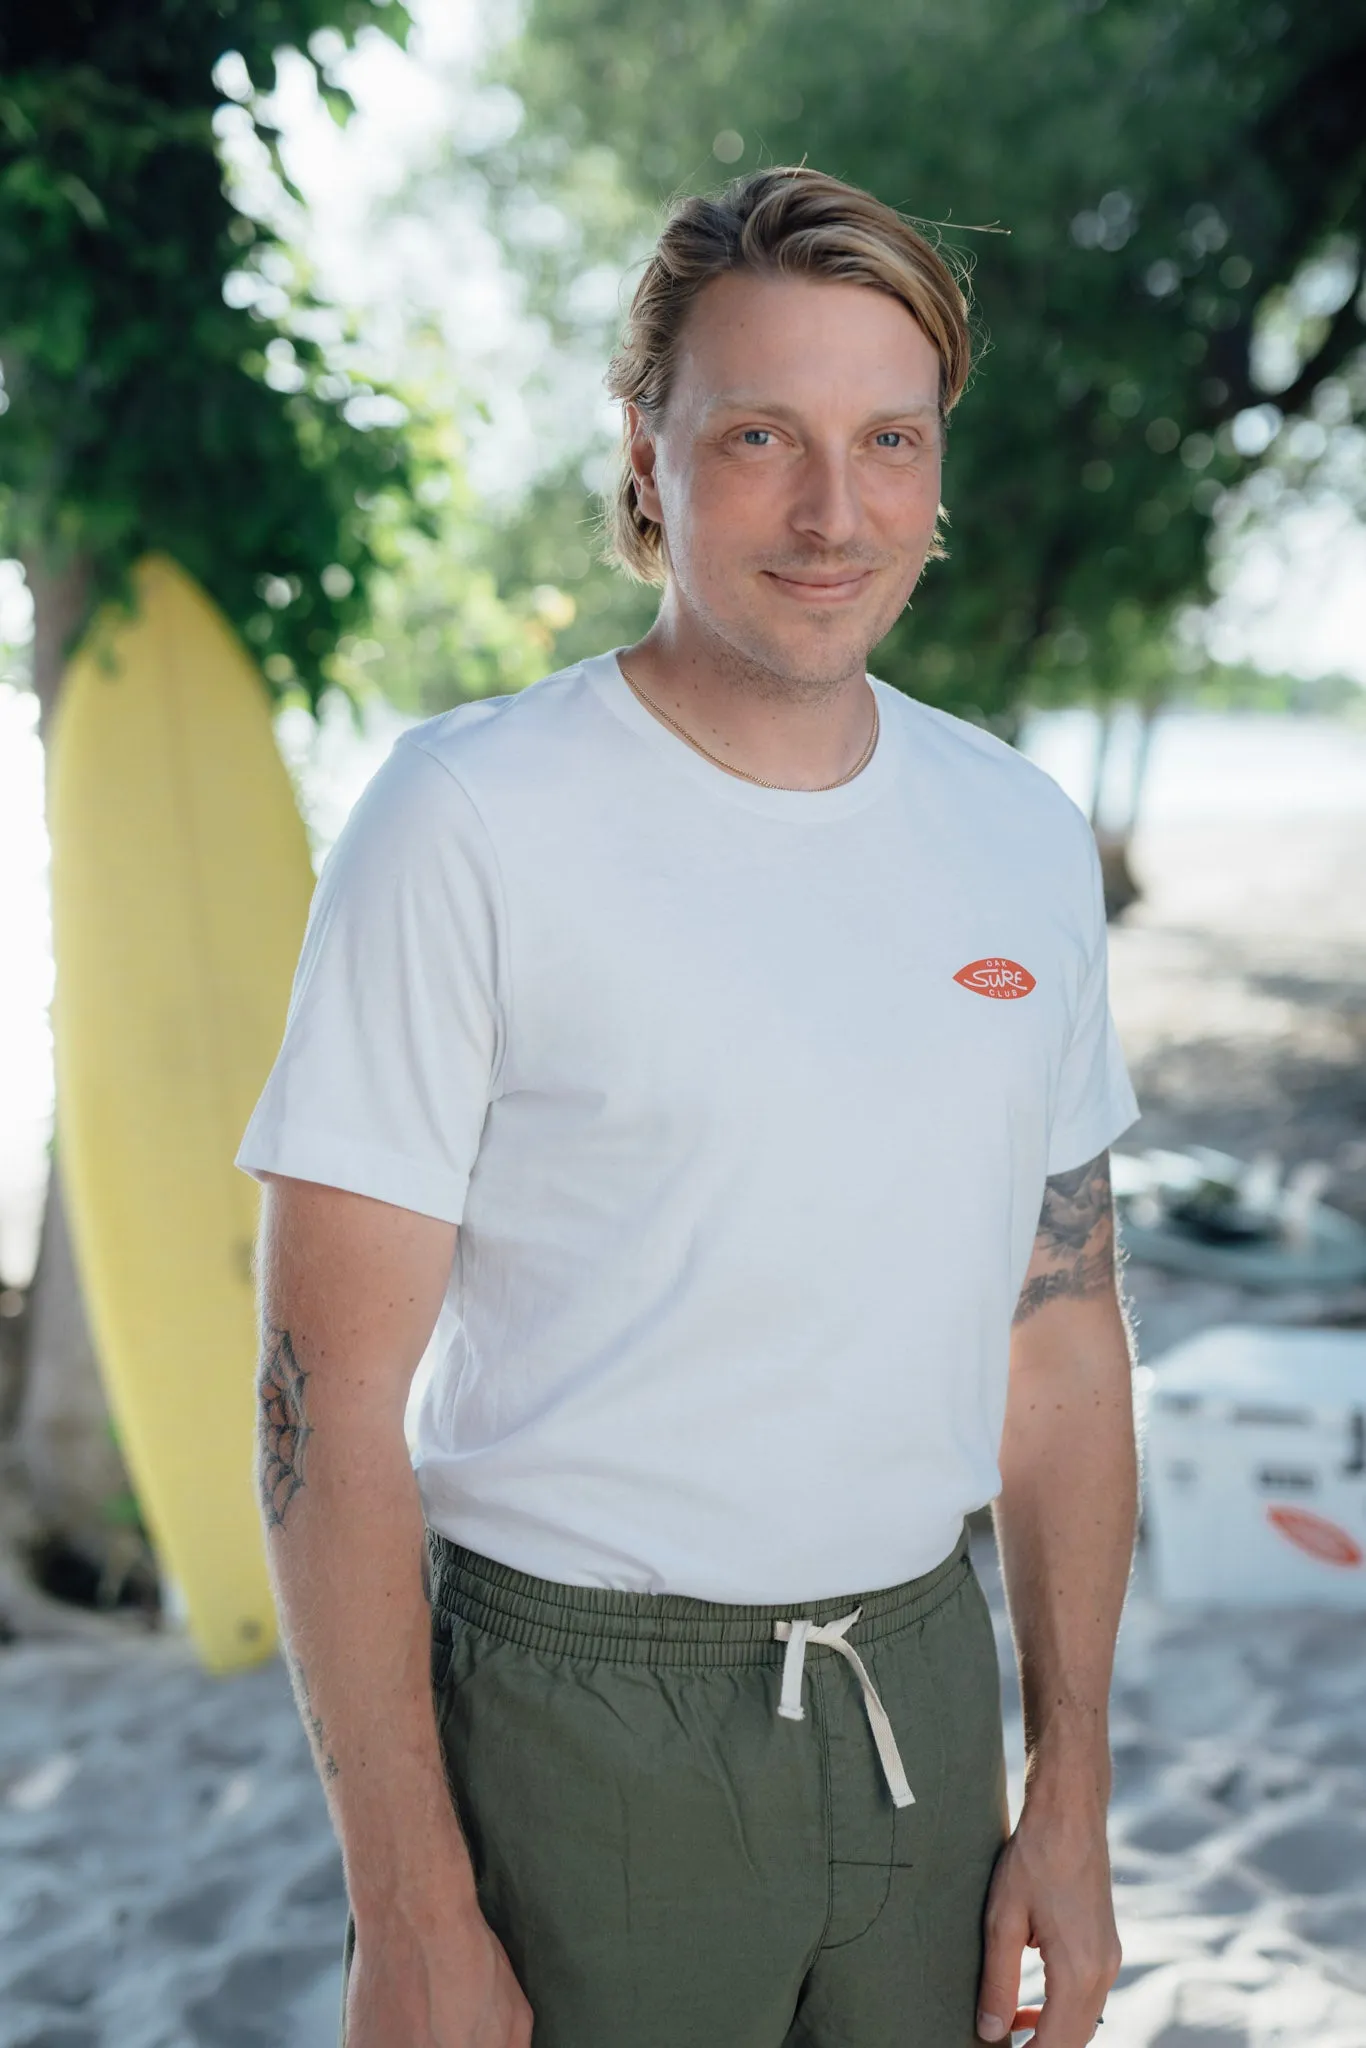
(750, 401)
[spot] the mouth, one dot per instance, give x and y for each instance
(831, 588)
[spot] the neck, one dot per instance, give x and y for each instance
(789, 731)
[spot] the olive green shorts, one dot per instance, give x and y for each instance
(671, 1862)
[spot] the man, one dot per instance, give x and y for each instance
(711, 1047)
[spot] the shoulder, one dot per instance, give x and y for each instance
(423, 799)
(453, 787)
(483, 741)
(1000, 786)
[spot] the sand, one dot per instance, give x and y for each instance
(167, 1877)
(1238, 1830)
(167, 1870)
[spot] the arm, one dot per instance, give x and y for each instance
(1065, 1526)
(350, 1291)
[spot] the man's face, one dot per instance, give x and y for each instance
(795, 470)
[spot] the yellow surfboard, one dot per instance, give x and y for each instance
(180, 885)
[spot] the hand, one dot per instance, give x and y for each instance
(451, 1989)
(1050, 1891)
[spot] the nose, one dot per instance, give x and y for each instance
(826, 506)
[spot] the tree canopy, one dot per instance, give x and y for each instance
(162, 389)
(1163, 208)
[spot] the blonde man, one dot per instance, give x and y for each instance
(706, 1054)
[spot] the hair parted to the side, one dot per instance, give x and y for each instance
(788, 221)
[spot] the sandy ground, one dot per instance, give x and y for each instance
(167, 1879)
(1239, 987)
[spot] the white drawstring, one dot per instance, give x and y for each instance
(797, 1635)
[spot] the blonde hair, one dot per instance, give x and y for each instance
(788, 221)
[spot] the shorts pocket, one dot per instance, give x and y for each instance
(453, 1654)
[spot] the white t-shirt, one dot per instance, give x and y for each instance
(743, 1100)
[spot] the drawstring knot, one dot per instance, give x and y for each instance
(831, 1635)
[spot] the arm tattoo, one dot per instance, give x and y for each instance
(284, 1432)
(327, 1763)
(1074, 1248)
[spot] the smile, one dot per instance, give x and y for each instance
(825, 590)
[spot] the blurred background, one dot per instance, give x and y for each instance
(314, 297)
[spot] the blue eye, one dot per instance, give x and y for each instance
(756, 437)
(890, 438)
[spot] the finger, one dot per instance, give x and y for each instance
(998, 1997)
(1067, 2019)
(1075, 1990)
(1058, 2032)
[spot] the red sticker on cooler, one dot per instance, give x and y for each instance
(1327, 1541)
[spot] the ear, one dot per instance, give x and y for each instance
(641, 454)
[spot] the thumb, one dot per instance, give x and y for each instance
(1007, 1933)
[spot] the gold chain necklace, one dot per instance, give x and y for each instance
(862, 762)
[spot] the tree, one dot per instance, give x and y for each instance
(162, 390)
(1173, 207)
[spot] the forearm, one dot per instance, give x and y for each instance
(350, 1291)
(345, 1552)
(1065, 1527)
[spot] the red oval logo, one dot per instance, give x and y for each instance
(1005, 980)
(1322, 1539)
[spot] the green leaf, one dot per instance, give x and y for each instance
(83, 200)
(16, 122)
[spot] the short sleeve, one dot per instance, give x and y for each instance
(1095, 1102)
(397, 1020)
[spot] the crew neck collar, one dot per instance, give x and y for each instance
(797, 806)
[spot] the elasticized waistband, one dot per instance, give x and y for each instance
(658, 1628)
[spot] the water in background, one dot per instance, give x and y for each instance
(1208, 765)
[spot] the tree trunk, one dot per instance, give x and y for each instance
(1105, 732)
(1118, 881)
(1122, 888)
(1148, 713)
(68, 1489)
(63, 1435)
(61, 596)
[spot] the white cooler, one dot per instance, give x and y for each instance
(1255, 1468)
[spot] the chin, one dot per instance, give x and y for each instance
(821, 665)
(804, 652)
(822, 652)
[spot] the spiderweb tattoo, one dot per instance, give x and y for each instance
(284, 1432)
